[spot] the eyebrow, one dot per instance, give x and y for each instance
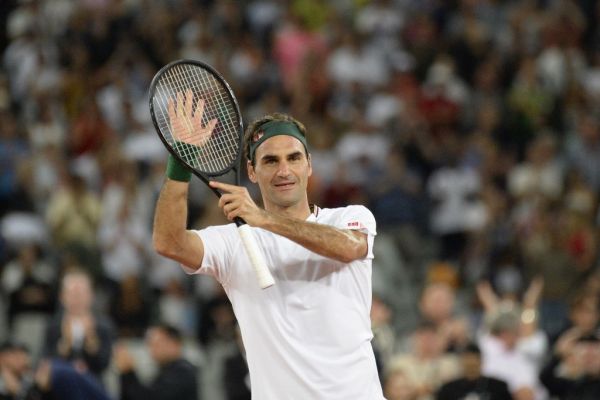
(272, 157)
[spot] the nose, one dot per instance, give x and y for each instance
(284, 169)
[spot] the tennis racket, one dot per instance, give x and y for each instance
(197, 117)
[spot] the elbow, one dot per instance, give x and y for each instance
(162, 245)
(355, 252)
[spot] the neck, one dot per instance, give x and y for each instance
(300, 210)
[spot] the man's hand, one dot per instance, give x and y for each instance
(42, 375)
(186, 124)
(11, 381)
(122, 358)
(235, 201)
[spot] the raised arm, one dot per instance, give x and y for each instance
(170, 237)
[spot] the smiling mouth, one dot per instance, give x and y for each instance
(284, 185)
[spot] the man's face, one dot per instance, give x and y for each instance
(77, 294)
(161, 347)
(437, 302)
(281, 170)
(16, 360)
(471, 363)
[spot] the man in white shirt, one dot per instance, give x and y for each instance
(308, 336)
(503, 360)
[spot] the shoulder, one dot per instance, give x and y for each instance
(218, 232)
(356, 217)
(358, 211)
(183, 367)
(498, 383)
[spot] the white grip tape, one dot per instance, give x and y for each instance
(265, 279)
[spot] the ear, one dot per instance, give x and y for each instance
(309, 159)
(251, 172)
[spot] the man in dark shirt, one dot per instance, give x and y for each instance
(573, 373)
(176, 378)
(77, 334)
(473, 386)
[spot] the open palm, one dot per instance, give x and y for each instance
(186, 122)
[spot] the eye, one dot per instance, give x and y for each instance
(295, 157)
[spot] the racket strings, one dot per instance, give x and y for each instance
(220, 150)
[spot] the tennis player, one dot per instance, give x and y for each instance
(308, 337)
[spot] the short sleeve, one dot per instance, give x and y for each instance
(359, 218)
(218, 243)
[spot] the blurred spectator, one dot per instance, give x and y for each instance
(176, 378)
(51, 379)
(130, 307)
(457, 209)
(437, 305)
(502, 359)
(532, 341)
(573, 372)
(15, 370)
(583, 149)
(29, 281)
(73, 215)
(13, 148)
(530, 104)
(399, 387)
(583, 317)
(293, 44)
(89, 130)
(426, 365)
(76, 333)
(362, 151)
(217, 323)
(540, 175)
(236, 378)
(472, 384)
(123, 240)
(384, 337)
(396, 196)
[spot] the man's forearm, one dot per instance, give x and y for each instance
(339, 244)
(170, 237)
(170, 218)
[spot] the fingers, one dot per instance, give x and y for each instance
(199, 109)
(234, 201)
(186, 121)
(225, 187)
(180, 104)
(189, 100)
(211, 125)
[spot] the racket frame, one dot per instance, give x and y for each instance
(265, 279)
(236, 165)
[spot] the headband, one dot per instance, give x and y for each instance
(274, 128)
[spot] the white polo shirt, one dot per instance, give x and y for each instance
(308, 337)
(511, 366)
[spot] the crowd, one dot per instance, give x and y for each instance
(470, 128)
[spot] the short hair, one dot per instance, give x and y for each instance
(471, 348)
(426, 325)
(76, 271)
(256, 124)
(507, 320)
(171, 331)
(12, 345)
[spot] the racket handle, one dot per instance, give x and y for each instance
(265, 279)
